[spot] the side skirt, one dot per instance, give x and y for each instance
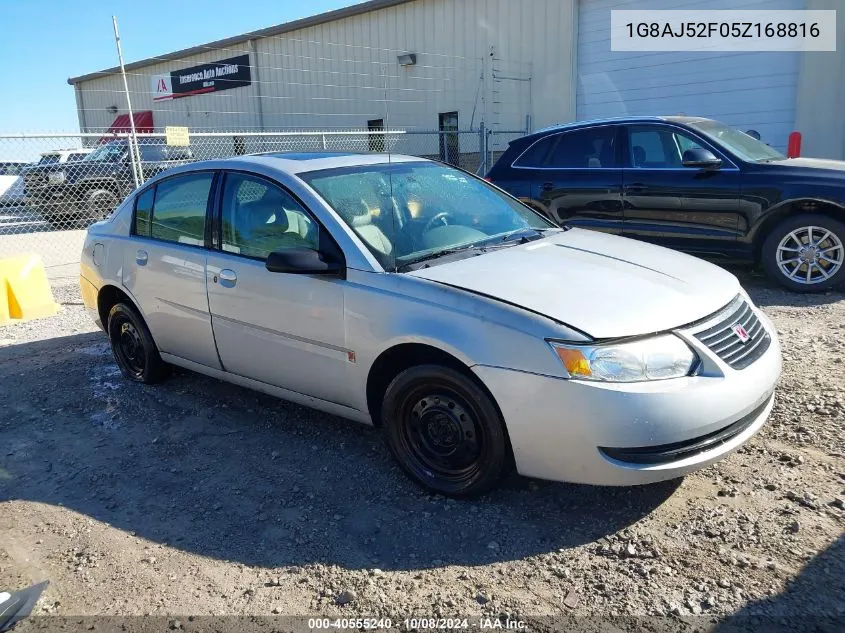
(285, 394)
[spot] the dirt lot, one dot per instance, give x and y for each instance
(197, 497)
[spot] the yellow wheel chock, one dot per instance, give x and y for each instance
(24, 290)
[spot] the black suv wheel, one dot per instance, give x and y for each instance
(806, 253)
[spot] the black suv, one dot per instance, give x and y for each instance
(68, 194)
(692, 184)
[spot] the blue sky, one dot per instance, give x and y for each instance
(47, 41)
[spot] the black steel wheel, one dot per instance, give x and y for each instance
(133, 347)
(445, 431)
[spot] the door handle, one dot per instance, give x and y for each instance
(548, 186)
(227, 277)
(635, 187)
(141, 258)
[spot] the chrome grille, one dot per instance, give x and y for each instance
(723, 340)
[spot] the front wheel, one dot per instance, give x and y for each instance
(806, 253)
(445, 431)
(98, 205)
(133, 346)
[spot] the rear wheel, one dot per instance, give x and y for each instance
(445, 431)
(133, 347)
(806, 253)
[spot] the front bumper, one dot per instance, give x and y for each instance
(561, 429)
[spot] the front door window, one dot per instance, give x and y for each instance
(260, 218)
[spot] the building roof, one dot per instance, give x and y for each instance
(287, 27)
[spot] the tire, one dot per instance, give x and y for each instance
(97, 205)
(787, 259)
(445, 431)
(133, 347)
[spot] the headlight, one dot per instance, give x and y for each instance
(56, 178)
(656, 358)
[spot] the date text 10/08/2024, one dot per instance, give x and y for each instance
(411, 624)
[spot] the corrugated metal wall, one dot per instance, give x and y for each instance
(336, 75)
(745, 90)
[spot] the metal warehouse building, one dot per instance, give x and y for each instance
(506, 65)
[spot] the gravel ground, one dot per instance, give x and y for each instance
(197, 497)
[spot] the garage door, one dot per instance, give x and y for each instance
(745, 90)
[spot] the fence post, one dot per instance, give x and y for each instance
(323, 136)
(482, 154)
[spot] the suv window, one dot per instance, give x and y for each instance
(11, 169)
(658, 147)
(75, 158)
(152, 152)
(590, 148)
(260, 218)
(178, 213)
(535, 156)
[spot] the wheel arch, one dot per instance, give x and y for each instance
(399, 357)
(107, 297)
(790, 208)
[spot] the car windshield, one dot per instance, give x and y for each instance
(409, 212)
(739, 143)
(108, 153)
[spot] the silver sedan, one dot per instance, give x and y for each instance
(407, 294)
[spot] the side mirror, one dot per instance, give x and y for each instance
(700, 158)
(302, 261)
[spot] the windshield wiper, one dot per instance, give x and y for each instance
(526, 232)
(441, 253)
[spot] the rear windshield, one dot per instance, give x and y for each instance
(49, 159)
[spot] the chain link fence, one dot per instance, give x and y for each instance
(55, 185)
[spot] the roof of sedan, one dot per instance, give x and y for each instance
(299, 162)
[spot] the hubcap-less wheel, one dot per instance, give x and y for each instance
(810, 255)
(443, 436)
(445, 431)
(131, 348)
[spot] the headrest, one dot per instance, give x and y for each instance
(269, 208)
(354, 212)
(639, 155)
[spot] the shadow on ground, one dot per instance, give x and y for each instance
(224, 472)
(765, 292)
(818, 591)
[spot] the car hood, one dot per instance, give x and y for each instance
(603, 285)
(815, 163)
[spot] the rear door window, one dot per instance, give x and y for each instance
(179, 209)
(143, 211)
(590, 148)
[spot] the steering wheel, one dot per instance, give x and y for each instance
(444, 218)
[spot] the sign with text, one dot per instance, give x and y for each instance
(177, 136)
(211, 77)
